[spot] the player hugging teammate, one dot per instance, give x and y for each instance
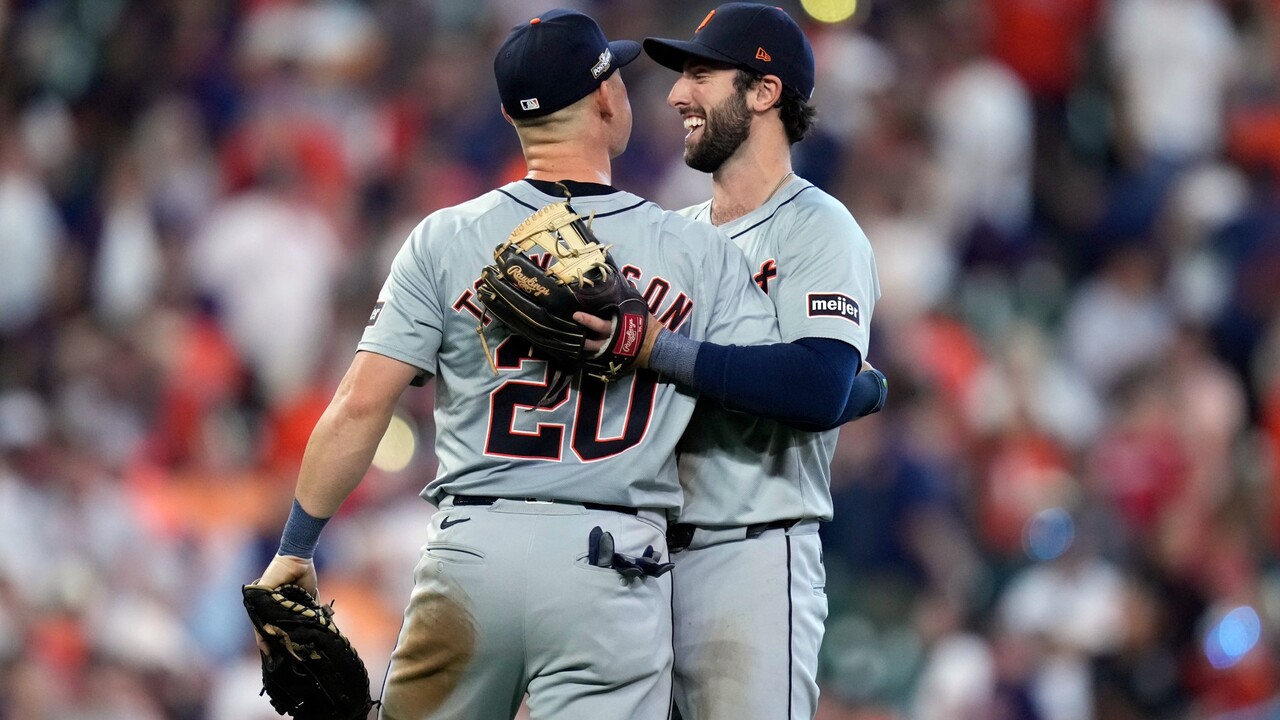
(563, 503)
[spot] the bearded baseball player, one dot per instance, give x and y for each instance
(749, 601)
(544, 569)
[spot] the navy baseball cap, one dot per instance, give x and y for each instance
(555, 60)
(757, 38)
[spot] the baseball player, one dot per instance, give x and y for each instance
(749, 600)
(510, 597)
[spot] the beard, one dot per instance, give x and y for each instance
(727, 128)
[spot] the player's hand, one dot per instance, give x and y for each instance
(285, 570)
(599, 331)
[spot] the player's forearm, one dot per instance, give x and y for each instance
(343, 443)
(867, 395)
(337, 457)
(339, 452)
(806, 383)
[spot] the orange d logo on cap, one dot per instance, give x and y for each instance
(704, 22)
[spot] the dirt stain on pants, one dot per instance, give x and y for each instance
(435, 649)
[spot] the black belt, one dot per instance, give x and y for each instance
(489, 500)
(680, 535)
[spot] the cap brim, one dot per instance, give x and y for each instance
(624, 51)
(672, 54)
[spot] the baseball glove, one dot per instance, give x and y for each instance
(551, 266)
(312, 673)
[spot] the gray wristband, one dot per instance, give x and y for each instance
(675, 356)
(301, 533)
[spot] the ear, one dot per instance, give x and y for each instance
(605, 99)
(505, 116)
(766, 94)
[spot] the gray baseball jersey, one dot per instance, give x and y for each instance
(609, 444)
(807, 252)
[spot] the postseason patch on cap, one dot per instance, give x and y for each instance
(834, 305)
(602, 64)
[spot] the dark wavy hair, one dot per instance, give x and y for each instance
(798, 116)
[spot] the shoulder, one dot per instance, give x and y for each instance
(494, 208)
(700, 237)
(478, 208)
(679, 226)
(809, 203)
(818, 214)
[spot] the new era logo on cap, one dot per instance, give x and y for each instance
(762, 55)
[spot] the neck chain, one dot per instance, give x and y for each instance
(774, 191)
(778, 187)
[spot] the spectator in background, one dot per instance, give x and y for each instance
(129, 270)
(1139, 466)
(1069, 608)
(1175, 63)
(30, 239)
(958, 677)
(1045, 43)
(1118, 320)
(268, 261)
(984, 134)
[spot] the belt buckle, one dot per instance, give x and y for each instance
(536, 501)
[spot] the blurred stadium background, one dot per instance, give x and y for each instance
(1068, 511)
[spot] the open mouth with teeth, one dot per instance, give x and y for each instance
(693, 123)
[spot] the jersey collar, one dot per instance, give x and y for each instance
(576, 188)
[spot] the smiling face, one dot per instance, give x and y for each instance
(714, 112)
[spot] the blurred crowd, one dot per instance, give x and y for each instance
(1070, 509)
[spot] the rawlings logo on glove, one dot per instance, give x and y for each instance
(527, 285)
(632, 335)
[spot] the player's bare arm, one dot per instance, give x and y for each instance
(337, 457)
(340, 450)
(345, 438)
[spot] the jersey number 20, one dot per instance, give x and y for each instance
(517, 398)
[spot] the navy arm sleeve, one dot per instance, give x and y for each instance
(868, 394)
(809, 384)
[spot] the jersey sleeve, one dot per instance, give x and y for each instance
(827, 284)
(406, 322)
(741, 313)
